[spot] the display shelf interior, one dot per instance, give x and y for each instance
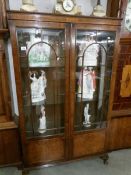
(54, 121)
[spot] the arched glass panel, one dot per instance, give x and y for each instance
(42, 61)
(93, 74)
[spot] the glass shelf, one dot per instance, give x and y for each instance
(95, 99)
(91, 126)
(48, 133)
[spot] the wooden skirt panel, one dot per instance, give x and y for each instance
(44, 151)
(88, 143)
(9, 147)
(119, 133)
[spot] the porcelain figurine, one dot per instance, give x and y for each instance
(42, 121)
(87, 83)
(42, 85)
(34, 87)
(86, 122)
(38, 86)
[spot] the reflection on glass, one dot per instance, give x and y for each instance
(93, 74)
(42, 61)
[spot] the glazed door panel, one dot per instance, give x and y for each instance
(94, 57)
(42, 64)
(92, 66)
(42, 78)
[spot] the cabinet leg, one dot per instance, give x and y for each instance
(105, 158)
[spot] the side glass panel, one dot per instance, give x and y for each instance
(41, 53)
(93, 73)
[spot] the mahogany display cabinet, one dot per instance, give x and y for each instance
(65, 69)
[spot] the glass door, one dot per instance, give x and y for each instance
(42, 65)
(94, 56)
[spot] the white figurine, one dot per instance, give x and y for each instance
(38, 86)
(87, 116)
(42, 120)
(42, 85)
(87, 83)
(34, 87)
(88, 52)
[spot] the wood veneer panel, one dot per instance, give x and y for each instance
(119, 133)
(88, 143)
(44, 151)
(11, 146)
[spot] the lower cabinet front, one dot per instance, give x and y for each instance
(45, 151)
(9, 147)
(88, 143)
(119, 133)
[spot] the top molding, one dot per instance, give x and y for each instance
(45, 17)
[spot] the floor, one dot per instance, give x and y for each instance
(119, 164)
